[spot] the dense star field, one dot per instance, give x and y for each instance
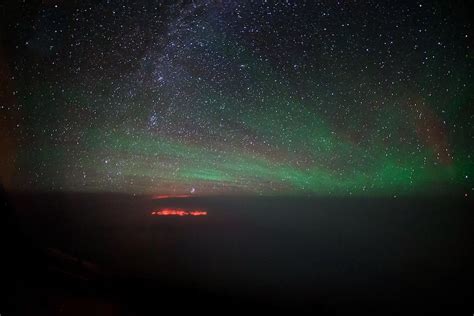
(220, 97)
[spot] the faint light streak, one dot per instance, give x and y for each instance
(170, 196)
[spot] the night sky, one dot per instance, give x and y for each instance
(327, 98)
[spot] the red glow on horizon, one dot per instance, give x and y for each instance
(178, 212)
(170, 196)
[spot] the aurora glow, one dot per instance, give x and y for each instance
(329, 98)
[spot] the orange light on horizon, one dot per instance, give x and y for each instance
(178, 212)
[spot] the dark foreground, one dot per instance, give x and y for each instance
(86, 254)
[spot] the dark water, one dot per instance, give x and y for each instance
(284, 252)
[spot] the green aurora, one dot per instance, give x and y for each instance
(229, 116)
